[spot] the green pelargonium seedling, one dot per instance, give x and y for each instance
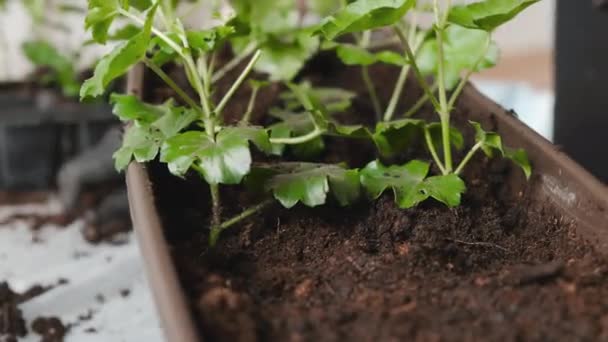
(268, 36)
(218, 152)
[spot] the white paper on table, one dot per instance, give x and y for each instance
(91, 270)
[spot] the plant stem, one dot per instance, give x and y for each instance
(421, 101)
(392, 105)
(431, 146)
(364, 40)
(233, 63)
(468, 157)
(237, 83)
(163, 76)
(216, 231)
(298, 140)
(189, 62)
(444, 110)
(414, 65)
(372, 92)
(216, 213)
(250, 105)
(465, 79)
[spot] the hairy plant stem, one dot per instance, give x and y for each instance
(363, 41)
(216, 207)
(179, 91)
(421, 101)
(392, 105)
(317, 132)
(217, 230)
(247, 116)
(431, 147)
(468, 157)
(191, 70)
(390, 110)
(237, 83)
(444, 110)
(465, 79)
(233, 63)
(414, 66)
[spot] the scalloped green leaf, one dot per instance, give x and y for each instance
(355, 55)
(332, 99)
(129, 107)
(282, 59)
(140, 142)
(487, 14)
(309, 183)
(362, 15)
(99, 18)
(464, 49)
(456, 138)
(396, 136)
(119, 61)
(223, 161)
(42, 53)
(410, 185)
(491, 141)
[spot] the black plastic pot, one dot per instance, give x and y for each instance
(39, 132)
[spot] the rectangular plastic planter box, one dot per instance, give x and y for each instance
(557, 181)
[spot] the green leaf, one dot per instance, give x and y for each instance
(283, 58)
(124, 33)
(268, 16)
(324, 7)
(208, 40)
(293, 125)
(99, 18)
(410, 185)
(118, 62)
(139, 142)
(310, 183)
(520, 157)
(487, 14)
(43, 54)
(223, 161)
(362, 15)
(464, 49)
(491, 141)
(330, 99)
(456, 138)
(174, 120)
(403, 180)
(447, 189)
(355, 55)
(140, 5)
(129, 107)
(396, 136)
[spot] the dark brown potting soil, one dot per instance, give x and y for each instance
(500, 267)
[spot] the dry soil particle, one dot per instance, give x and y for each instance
(50, 328)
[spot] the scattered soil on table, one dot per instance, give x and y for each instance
(50, 328)
(12, 323)
(500, 267)
(113, 231)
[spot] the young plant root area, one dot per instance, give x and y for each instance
(501, 267)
